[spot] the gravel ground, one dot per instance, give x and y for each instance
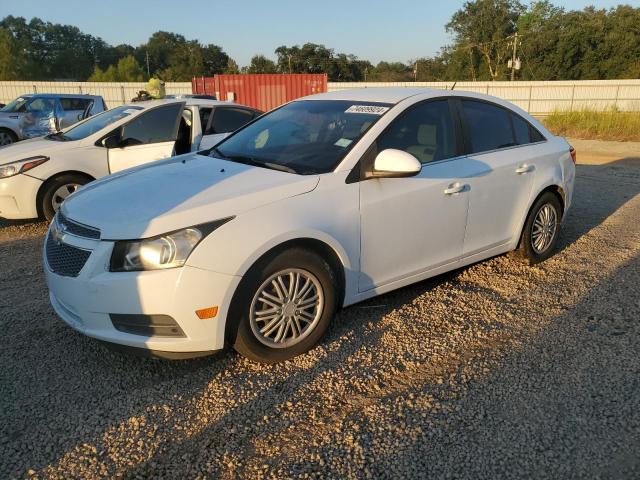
(496, 370)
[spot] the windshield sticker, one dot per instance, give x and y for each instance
(370, 109)
(343, 142)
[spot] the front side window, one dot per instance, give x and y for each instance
(425, 131)
(155, 126)
(38, 105)
(305, 136)
(227, 120)
(489, 126)
(96, 123)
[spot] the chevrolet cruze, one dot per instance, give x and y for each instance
(322, 203)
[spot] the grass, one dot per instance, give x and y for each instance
(593, 124)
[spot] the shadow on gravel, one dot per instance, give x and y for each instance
(596, 196)
(564, 404)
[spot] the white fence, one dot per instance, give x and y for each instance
(537, 98)
(114, 94)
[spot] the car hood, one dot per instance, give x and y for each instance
(177, 193)
(30, 148)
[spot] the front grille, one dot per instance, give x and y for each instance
(77, 229)
(64, 259)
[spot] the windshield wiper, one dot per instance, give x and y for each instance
(253, 162)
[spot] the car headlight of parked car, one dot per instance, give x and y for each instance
(170, 250)
(21, 166)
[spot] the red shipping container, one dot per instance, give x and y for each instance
(262, 91)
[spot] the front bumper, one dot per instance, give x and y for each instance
(85, 302)
(18, 197)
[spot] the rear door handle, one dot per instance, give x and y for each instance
(455, 188)
(524, 168)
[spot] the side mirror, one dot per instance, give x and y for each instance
(112, 141)
(395, 163)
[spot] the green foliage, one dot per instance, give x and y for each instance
(261, 64)
(11, 63)
(592, 124)
(127, 70)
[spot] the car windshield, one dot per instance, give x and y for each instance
(95, 124)
(303, 137)
(16, 105)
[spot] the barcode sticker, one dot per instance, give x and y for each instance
(370, 109)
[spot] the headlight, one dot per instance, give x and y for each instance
(21, 166)
(165, 251)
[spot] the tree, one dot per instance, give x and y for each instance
(11, 63)
(127, 70)
(486, 25)
(261, 64)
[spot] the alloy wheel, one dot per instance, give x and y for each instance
(286, 308)
(544, 228)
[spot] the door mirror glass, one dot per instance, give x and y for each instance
(112, 141)
(396, 163)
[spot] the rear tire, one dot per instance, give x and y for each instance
(283, 306)
(7, 137)
(56, 190)
(541, 230)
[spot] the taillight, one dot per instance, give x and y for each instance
(572, 152)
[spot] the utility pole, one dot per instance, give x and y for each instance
(147, 54)
(415, 72)
(289, 62)
(514, 56)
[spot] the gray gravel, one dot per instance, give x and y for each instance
(493, 371)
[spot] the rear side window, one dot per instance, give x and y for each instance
(521, 130)
(489, 126)
(425, 131)
(227, 120)
(205, 115)
(70, 104)
(155, 126)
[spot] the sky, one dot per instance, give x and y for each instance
(394, 30)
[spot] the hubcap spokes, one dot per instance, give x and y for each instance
(286, 308)
(61, 193)
(544, 228)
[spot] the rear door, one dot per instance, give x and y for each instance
(224, 121)
(148, 137)
(498, 196)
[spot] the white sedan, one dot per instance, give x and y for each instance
(322, 203)
(37, 175)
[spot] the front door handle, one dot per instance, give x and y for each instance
(455, 188)
(524, 168)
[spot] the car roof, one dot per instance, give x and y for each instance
(375, 94)
(61, 95)
(188, 101)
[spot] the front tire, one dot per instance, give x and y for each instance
(7, 137)
(283, 306)
(56, 190)
(541, 230)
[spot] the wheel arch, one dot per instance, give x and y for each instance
(51, 179)
(553, 188)
(315, 245)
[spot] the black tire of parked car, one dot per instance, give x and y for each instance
(526, 250)
(7, 137)
(45, 200)
(241, 336)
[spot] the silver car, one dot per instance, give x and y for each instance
(35, 115)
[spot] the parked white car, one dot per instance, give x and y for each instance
(322, 203)
(37, 175)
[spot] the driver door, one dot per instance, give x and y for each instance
(416, 224)
(146, 138)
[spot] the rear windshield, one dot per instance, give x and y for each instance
(304, 137)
